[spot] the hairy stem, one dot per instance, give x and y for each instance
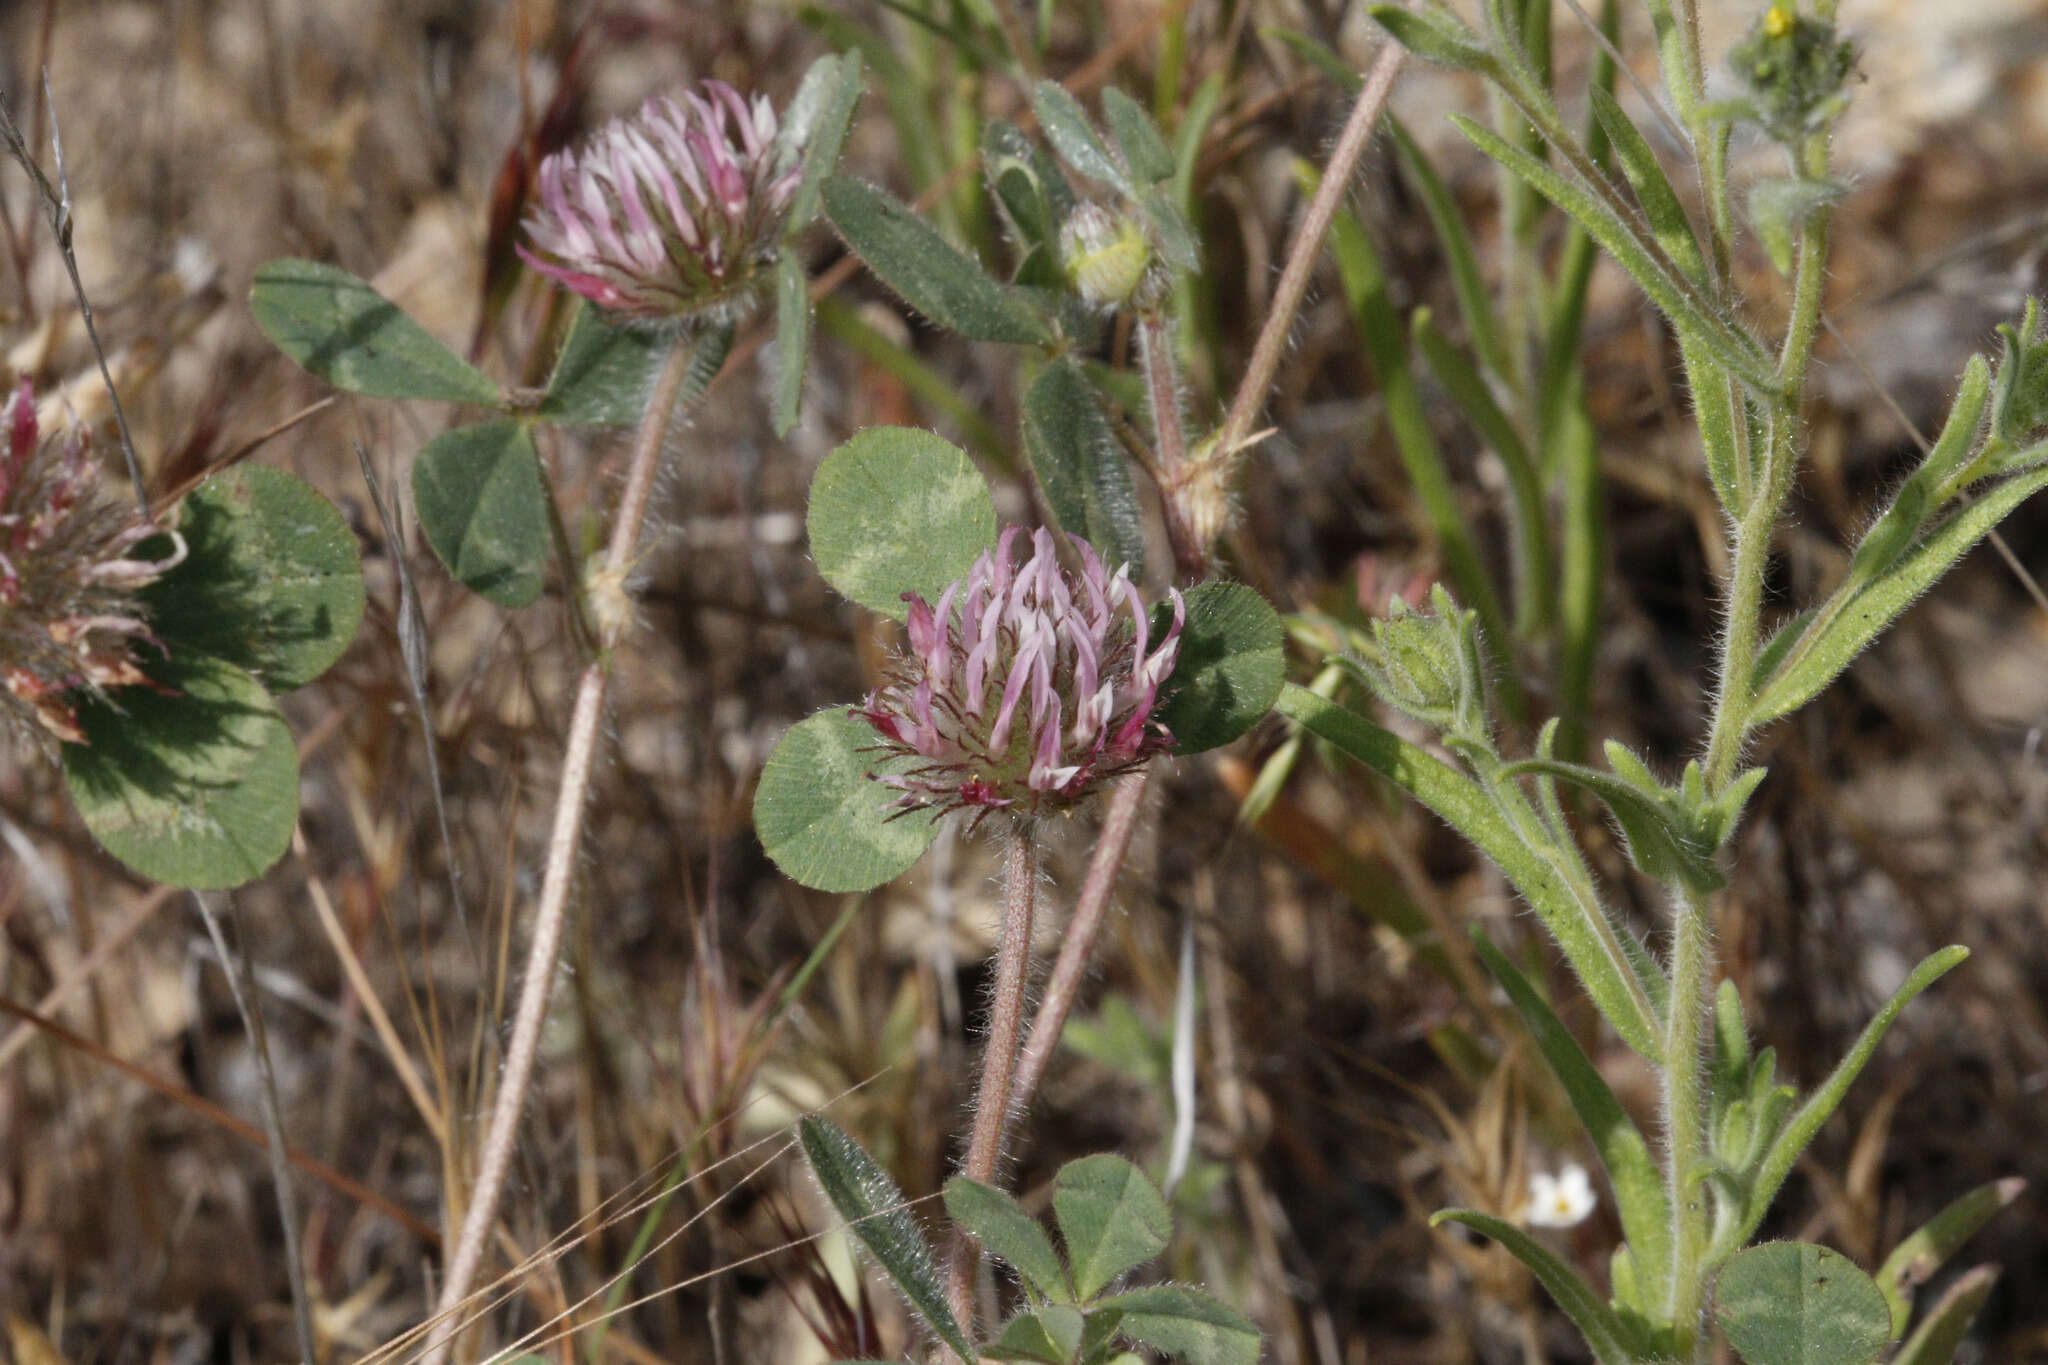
(999, 1060)
(1170, 446)
(551, 914)
(1685, 1137)
(1302, 253)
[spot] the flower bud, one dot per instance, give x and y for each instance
(1792, 68)
(2019, 404)
(1427, 664)
(671, 214)
(1108, 256)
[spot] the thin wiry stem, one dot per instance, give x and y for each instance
(992, 1102)
(1302, 254)
(234, 965)
(551, 914)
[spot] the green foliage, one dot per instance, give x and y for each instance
(1186, 1325)
(884, 480)
(1793, 1303)
(878, 1217)
(1942, 1329)
(604, 372)
(1231, 664)
(824, 820)
(337, 327)
(817, 120)
(1780, 208)
(931, 275)
(483, 504)
(1111, 1218)
(1436, 35)
(1605, 1333)
(1074, 453)
(792, 342)
(1914, 1260)
(1427, 664)
(1004, 1229)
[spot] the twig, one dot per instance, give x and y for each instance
(551, 914)
(234, 965)
(1306, 247)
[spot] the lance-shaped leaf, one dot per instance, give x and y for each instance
(1232, 661)
(824, 820)
(933, 276)
(481, 501)
(1942, 1328)
(1914, 1261)
(1111, 1218)
(876, 1214)
(897, 510)
(1603, 1330)
(1661, 838)
(1582, 930)
(1002, 1226)
(1669, 223)
(1856, 616)
(1461, 254)
(1794, 1303)
(792, 342)
(1080, 466)
(1137, 137)
(1186, 1324)
(1638, 1185)
(1436, 35)
(1066, 126)
(817, 119)
(337, 327)
(1799, 1130)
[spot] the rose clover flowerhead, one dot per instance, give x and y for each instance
(71, 613)
(671, 214)
(1025, 687)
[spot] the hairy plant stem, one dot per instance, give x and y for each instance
(551, 914)
(999, 1059)
(1303, 252)
(1685, 1138)
(1170, 446)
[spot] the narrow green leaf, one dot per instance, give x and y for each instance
(1111, 1218)
(1436, 37)
(1779, 208)
(817, 121)
(1461, 254)
(1231, 664)
(876, 1213)
(1942, 1328)
(1628, 244)
(1001, 1225)
(1794, 1303)
(1187, 139)
(604, 373)
(932, 275)
(1847, 624)
(869, 490)
(1186, 1324)
(196, 785)
(1582, 930)
(339, 328)
(1080, 466)
(271, 581)
(824, 820)
(1317, 54)
(1050, 1335)
(1065, 124)
(479, 496)
(1658, 839)
(1631, 1170)
(1665, 212)
(1137, 137)
(792, 341)
(1596, 1321)
(1791, 1141)
(1914, 1261)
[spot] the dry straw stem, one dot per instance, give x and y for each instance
(551, 914)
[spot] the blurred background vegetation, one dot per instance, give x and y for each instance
(1347, 1079)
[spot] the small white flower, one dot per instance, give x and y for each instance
(1562, 1200)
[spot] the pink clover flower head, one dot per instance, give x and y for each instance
(70, 574)
(1026, 687)
(669, 214)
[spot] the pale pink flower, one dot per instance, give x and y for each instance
(1026, 687)
(670, 213)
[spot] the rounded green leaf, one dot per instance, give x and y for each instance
(1004, 1229)
(604, 373)
(823, 820)
(339, 328)
(196, 785)
(1111, 1217)
(1232, 662)
(1794, 1303)
(480, 500)
(897, 510)
(1186, 1324)
(271, 581)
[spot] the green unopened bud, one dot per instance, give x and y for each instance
(1427, 664)
(1793, 68)
(1108, 256)
(2020, 407)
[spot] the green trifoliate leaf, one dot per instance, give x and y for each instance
(1144, 150)
(1231, 665)
(1793, 1303)
(824, 820)
(1080, 467)
(337, 327)
(1186, 1324)
(1111, 1217)
(603, 374)
(875, 1212)
(1048, 1336)
(271, 581)
(932, 275)
(897, 510)
(481, 501)
(1002, 1226)
(1066, 126)
(196, 785)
